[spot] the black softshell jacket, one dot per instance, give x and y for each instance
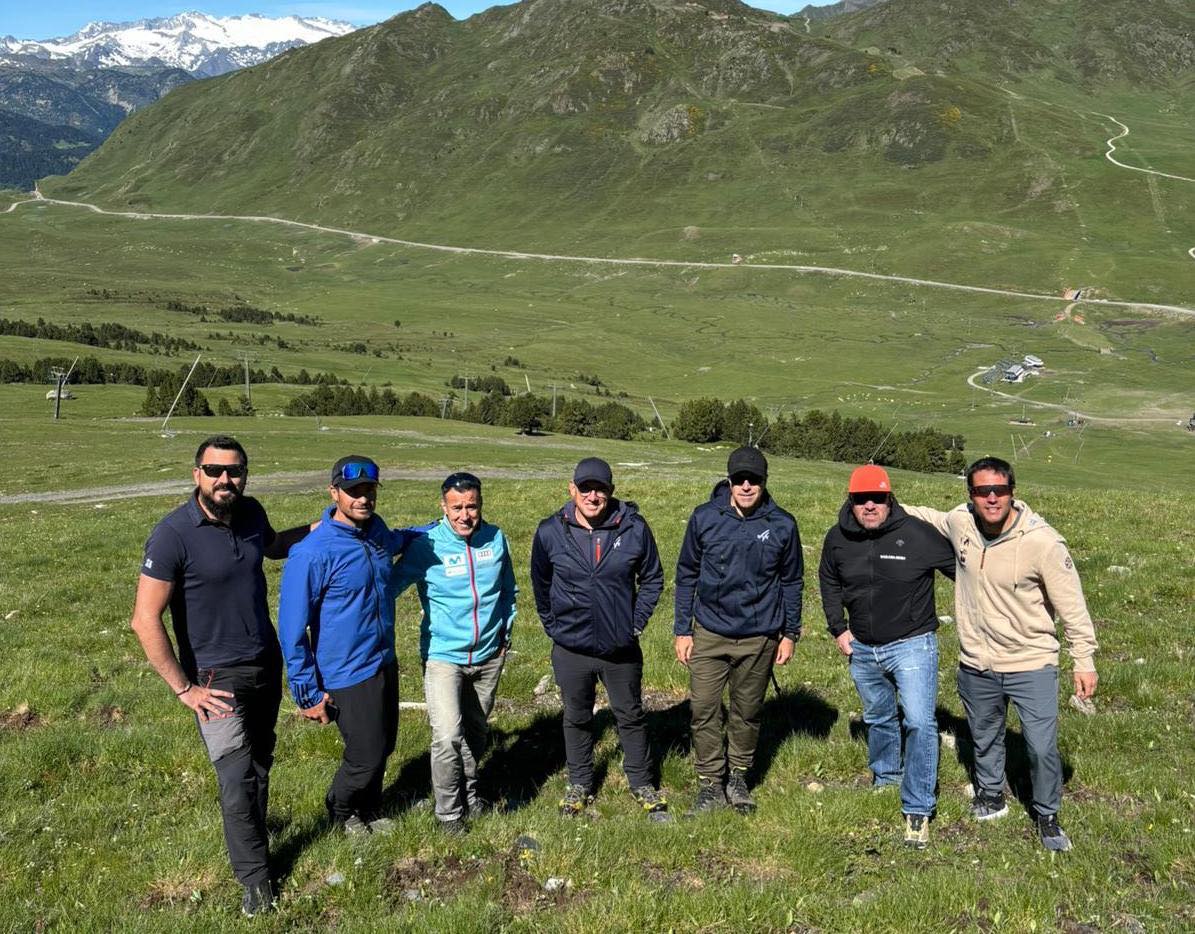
(884, 579)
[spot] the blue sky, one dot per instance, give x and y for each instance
(32, 21)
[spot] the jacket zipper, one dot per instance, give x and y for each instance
(377, 609)
(476, 600)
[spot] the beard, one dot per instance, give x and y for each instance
(221, 510)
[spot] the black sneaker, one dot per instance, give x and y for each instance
(653, 802)
(1053, 837)
(737, 792)
(710, 795)
(988, 807)
(576, 799)
(257, 899)
(454, 828)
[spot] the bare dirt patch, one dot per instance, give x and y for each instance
(19, 720)
(175, 892)
(414, 880)
(108, 716)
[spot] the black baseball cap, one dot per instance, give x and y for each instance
(747, 460)
(593, 470)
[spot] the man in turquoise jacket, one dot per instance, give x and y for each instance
(336, 627)
(466, 584)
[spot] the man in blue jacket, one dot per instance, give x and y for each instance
(597, 577)
(336, 626)
(738, 612)
(466, 584)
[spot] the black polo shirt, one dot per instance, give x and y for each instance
(218, 606)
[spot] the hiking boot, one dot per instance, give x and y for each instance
(1052, 836)
(576, 799)
(454, 828)
(653, 802)
(478, 806)
(257, 899)
(916, 831)
(383, 826)
(988, 807)
(354, 826)
(737, 792)
(710, 795)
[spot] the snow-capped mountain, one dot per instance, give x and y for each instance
(203, 45)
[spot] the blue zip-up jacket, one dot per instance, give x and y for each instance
(740, 576)
(599, 600)
(467, 589)
(336, 609)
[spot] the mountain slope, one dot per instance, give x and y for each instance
(693, 128)
(1080, 41)
(586, 103)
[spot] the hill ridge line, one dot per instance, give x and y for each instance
(612, 261)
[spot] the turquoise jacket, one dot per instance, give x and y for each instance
(467, 589)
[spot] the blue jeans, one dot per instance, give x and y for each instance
(905, 673)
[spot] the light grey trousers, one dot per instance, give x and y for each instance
(459, 701)
(1034, 694)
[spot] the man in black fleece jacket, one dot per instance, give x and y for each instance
(878, 563)
(738, 612)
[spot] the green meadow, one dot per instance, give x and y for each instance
(108, 818)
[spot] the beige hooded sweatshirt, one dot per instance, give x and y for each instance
(1008, 591)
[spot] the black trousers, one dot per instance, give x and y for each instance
(577, 675)
(367, 716)
(241, 749)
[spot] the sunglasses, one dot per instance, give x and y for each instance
(234, 471)
(740, 478)
(862, 499)
(462, 482)
(983, 492)
(359, 471)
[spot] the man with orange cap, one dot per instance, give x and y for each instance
(878, 565)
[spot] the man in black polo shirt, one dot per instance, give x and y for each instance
(203, 561)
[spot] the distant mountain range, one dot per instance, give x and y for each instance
(60, 98)
(203, 45)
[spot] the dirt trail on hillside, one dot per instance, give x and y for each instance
(361, 236)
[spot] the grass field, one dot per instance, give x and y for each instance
(108, 817)
(107, 805)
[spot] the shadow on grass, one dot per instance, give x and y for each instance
(789, 713)
(1016, 767)
(519, 762)
(294, 843)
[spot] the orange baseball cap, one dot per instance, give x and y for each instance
(869, 479)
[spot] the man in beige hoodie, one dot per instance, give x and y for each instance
(1014, 575)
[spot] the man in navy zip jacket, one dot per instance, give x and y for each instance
(336, 626)
(597, 578)
(738, 612)
(466, 585)
(878, 567)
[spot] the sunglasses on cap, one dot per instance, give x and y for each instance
(358, 472)
(984, 491)
(862, 499)
(462, 482)
(234, 471)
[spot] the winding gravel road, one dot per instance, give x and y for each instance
(361, 236)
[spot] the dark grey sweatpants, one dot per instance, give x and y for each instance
(1034, 694)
